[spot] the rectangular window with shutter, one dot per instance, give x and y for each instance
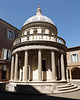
(6, 54)
(10, 34)
(74, 58)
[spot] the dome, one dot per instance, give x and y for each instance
(38, 17)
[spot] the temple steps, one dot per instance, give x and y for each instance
(70, 87)
(65, 86)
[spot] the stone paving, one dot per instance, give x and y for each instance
(13, 96)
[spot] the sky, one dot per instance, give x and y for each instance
(65, 14)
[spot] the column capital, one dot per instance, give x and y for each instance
(40, 50)
(13, 55)
(62, 52)
(52, 50)
(27, 50)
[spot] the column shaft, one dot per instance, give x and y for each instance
(62, 67)
(25, 68)
(16, 67)
(53, 65)
(67, 74)
(12, 68)
(20, 73)
(70, 74)
(59, 68)
(39, 66)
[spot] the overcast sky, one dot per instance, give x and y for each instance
(64, 13)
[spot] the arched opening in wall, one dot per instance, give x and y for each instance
(75, 73)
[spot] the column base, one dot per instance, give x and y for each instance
(54, 80)
(11, 80)
(40, 81)
(63, 80)
(24, 81)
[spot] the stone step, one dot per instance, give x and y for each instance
(67, 88)
(67, 91)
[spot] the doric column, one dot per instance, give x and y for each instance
(58, 69)
(39, 66)
(53, 63)
(12, 68)
(20, 73)
(62, 67)
(70, 74)
(25, 68)
(29, 71)
(16, 67)
(67, 74)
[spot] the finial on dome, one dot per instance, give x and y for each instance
(38, 11)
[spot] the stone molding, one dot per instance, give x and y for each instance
(30, 47)
(42, 24)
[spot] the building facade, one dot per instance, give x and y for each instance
(73, 63)
(8, 34)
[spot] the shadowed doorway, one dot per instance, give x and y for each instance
(76, 73)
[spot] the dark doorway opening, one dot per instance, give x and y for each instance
(43, 65)
(76, 73)
(4, 75)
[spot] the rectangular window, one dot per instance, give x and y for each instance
(6, 54)
(18, 35)
(43, 65)
(4, 67)
(46, 31)
(10, 34)
(39, 31)
(74, 58)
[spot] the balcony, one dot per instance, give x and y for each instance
(39, 37)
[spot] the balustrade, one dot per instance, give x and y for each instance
(43, 37)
